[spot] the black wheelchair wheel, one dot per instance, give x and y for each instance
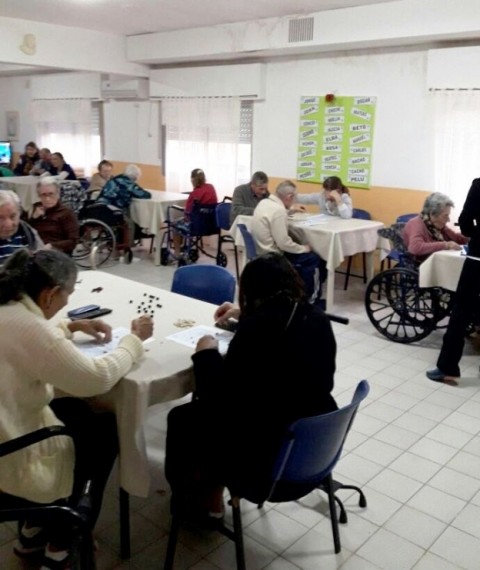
(398, 308)
(95, 246)
(222, 259)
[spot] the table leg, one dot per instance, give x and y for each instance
(369, 262)
(157, 243)
(330, 288)
(124, 499)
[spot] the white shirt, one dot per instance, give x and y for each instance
(344, 209)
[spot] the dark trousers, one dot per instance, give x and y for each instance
(306, 264)
(465, 305)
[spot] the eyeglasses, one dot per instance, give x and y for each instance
(47, 194)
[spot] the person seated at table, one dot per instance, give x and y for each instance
(44, 163)
(202, 193)
(118, 194)
(335, 199)
(27, 160)
(56, 224)
(270, 232)
(15, 233)
(59, 168)
(242, 406)
(246, 196)
(37, 358)
(100, 178)
(428, 232)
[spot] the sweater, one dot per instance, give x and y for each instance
(344, 209)
(38, 356)
(58, 227)
(204, 194)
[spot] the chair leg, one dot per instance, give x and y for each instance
(333, 513)
(347, 274)
(342, 519)
(364, 267)
(172, 543)
(124, 499)
(235, 252)
(362, 501)
(237, 529)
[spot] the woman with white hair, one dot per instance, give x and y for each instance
(428, 232)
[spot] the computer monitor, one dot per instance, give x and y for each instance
(5, 152)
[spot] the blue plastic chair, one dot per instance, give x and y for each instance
(361, 215)
(222, 213)
(308, 454)
(250, 247)
(210, 283)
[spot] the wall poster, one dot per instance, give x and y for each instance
(336, 139)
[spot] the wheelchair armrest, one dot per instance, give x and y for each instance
(28, 439)
(337, 319)
(178, 208)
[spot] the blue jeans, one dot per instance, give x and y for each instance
(306, 264)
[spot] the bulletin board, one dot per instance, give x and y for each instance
(336, 139)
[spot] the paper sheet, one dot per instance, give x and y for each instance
(190, 337)
(315, 220)
(92, 348)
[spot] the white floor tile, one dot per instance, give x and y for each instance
(437, 504)
(468, 520)
(275, 531)
(415, 467)
(466, 463)
(379, 507)
(455, 483)
(459, 548)
(397, 436)
(433, 450)
(394, 485)
(433, 562)
(256, 555)
(415, 423)
(415, 526)
(390, 551)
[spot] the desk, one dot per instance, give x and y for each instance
(333, 240)
(151, 214)
(24, 186)
(442, 269)
(164, 374)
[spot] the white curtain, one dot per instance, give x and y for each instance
(202, 133)
(65, 126)
(456, 116)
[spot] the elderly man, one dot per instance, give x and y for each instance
(270, 231)
(55, 222)
(14, 233)
(247, 196)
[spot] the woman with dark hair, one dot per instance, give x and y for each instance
(27, 160)
(60, 168)
(279, 367)
(335, 199)
(38, 357)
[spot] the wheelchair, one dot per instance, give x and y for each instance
(397, 306)
(202, 222)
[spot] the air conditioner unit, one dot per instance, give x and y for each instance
(125, 89)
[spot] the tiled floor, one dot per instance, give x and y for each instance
(414, 448)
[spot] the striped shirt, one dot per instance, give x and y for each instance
(25, 237)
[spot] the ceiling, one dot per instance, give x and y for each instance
(130, 17)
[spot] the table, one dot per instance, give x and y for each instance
(164, 374)
(333, 240)
(442, 269)
(24, 186)
(151, 214)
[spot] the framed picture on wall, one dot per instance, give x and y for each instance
(13, 125)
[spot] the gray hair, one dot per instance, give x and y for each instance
(132, 171)
(48, 181)
(436, 203)
(285, 188)
(259, 177)
(7, 197)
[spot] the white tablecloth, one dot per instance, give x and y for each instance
(442, 269)
(24, 186)
(333, 240)
(164, 374)
(151, 214)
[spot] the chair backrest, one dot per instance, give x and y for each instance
(73, 195)
(210, 283)
(404, 218)
(203, 221)
(222, 213)
(313, 445)
(361, 214)
(250, 247)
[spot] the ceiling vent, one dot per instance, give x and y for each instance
(300, 30)
(125, 89)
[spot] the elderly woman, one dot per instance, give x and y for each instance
(100, 178)
(38, 357)
(58, 167)
(428, 232)
(335, 199)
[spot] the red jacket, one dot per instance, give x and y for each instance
(203, 194)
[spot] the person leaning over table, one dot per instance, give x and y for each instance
(58, 167)
(428, 232)
(43, 164)
(246, 196)
(335, 199)
(38, 357)
(55, 222)
(242, 404)
(15, 234)
(466, 300)
(270, 232)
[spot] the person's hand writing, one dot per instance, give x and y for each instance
(226, 311)
(206, 342)
(142, 327)
(100, 331)
(453, 245)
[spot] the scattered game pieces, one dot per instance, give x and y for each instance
(184, 323)
(97, 289)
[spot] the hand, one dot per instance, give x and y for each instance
(47, 246)
(207, 342)
(226, 311)
(297, 208)
(335, 197)
(308, 248)
(38, 212)
(453, 245)
(142, 327)
(100, 331)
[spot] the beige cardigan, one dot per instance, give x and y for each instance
(37, 356)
